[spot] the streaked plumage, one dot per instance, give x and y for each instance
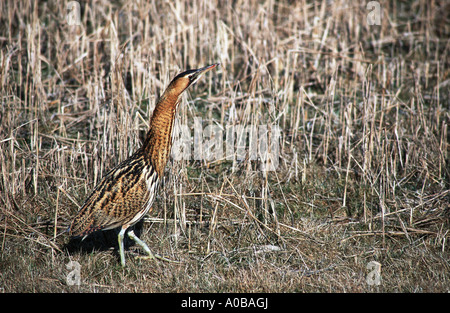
(127, 192)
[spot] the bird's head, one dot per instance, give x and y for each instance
(189, 77)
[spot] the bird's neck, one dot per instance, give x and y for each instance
(158, 142)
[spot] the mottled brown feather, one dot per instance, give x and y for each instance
(119, 196)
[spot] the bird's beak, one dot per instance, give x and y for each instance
(199, 72)
(207, 68)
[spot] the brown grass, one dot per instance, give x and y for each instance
(364, 154)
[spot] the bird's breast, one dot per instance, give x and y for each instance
(151, 180)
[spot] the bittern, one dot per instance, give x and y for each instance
(127, 191)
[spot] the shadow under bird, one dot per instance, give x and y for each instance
(127, 192)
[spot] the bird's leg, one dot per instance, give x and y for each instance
(142, 244)
(121, 250)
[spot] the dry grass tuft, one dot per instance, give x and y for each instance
(364, 151)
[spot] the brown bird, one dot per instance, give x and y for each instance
(127, 192)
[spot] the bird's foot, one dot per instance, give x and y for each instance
(156, 257)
